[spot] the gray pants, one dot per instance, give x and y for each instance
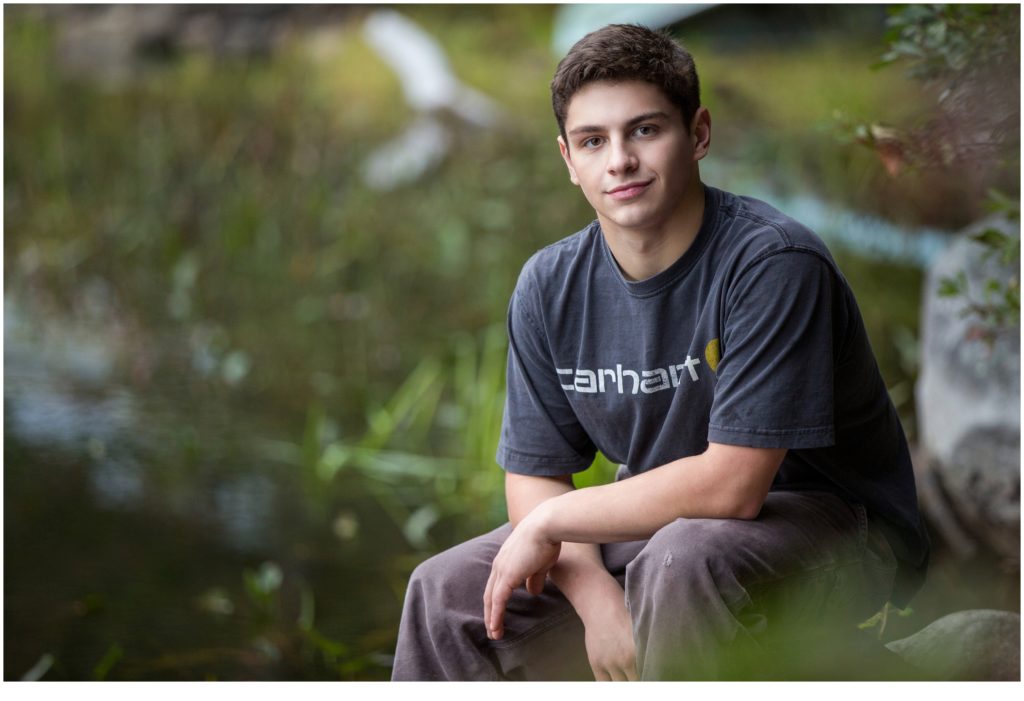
(709, 598)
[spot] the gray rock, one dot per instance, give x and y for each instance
(968, 399)
(975, 645)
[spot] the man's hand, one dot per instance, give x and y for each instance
(609, 633)
(526, 556)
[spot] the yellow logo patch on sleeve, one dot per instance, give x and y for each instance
(713, 354)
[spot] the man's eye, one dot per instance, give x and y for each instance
(592, 142)
(645, 130)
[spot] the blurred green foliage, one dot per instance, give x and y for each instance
(224, 201)
(970, 54)
(952, 39)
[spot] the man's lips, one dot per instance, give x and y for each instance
(629, 190)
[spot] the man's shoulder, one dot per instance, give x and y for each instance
(553, 264)
(767, 244)
(763, 229)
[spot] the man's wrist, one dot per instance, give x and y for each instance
(595, 593)
(539, 521)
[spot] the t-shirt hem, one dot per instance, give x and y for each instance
(540, 466)
(793, 438)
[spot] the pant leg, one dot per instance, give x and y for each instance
(724, 598)
(708, 598)
(442, 637)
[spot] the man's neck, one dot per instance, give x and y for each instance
(643, 253)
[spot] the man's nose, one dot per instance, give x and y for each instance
(621, 158)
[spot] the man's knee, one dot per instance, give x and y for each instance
(687, 563)
(439, 568)
(457, 575)
(686, 545)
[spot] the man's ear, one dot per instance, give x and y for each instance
(564, 150)
(700, 133)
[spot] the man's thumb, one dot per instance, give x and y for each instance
(535, 583)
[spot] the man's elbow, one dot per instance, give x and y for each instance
(736, 505)
(743, 476)
(744, 503)
(748, 509)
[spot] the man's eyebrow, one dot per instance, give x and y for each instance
(646, 116)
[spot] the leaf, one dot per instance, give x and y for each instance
(235, 367)
(1011, 252)
(307, 609)
(918, 13)
(908, 49)
(1000, 202)
(262, 583)
(993, 238)
(901, 392)
(327, 646)
(871, 622)
(111, 658)
(311, 436)
(892, 34)
(416, 396)
(879, 619)
(1012, 298)
(335, 457)
(216, 601)
(936, 32)
(418, 524)
(270, 577)
(39, 669)
(949, 287)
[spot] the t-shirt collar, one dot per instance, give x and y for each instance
(656, 283)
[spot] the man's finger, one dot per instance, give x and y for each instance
(487, 603)
(500, 595)
(631, 674)
(616, 675)
(600, 675)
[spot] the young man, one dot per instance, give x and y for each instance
(710, 345)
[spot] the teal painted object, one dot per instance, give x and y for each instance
(573, 22)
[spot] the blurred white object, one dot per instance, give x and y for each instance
(420, 147)
(423, 69)
(429, 87)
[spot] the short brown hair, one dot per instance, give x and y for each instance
(622, 52)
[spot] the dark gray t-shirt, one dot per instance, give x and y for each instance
(751, 338)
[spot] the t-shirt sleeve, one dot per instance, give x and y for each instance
(775, 375)
(540, 434)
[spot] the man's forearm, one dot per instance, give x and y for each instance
(580, 573)
(724, 482)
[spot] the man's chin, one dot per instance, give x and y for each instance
(633, 221)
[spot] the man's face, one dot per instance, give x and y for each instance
(627, 148)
